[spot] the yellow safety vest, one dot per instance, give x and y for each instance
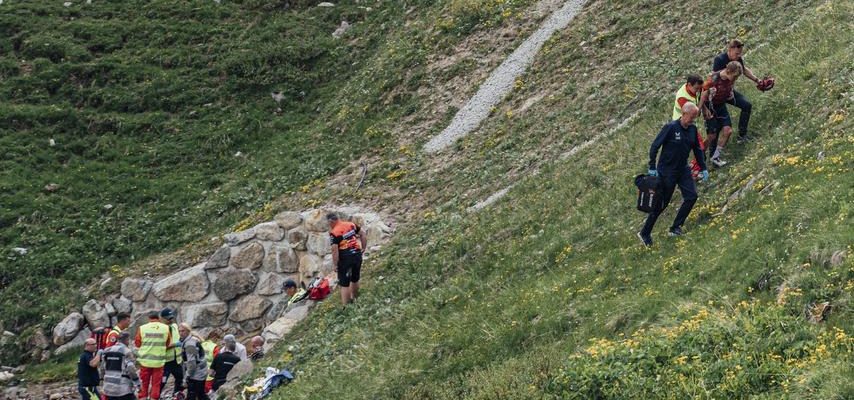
(173, 353)
(209, 348)
(683, 92)
(152, 351)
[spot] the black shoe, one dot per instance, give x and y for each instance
(645, 239)
(674, 232)
(744, 139)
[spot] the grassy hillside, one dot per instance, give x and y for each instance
(548, 294)
(164, 129)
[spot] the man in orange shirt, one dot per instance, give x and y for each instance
(348, 242)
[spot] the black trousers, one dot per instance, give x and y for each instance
(177, 371)
(669, 181)
(196, 390)
(739, 101)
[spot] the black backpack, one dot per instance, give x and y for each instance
(649, 199)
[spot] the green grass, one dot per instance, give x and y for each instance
(148, 103)
(549, 295)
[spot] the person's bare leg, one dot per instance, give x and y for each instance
(345, 295)
(722, 140)
(354, 290)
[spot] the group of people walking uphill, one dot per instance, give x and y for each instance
(680, 137)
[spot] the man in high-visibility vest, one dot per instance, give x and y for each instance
(689, 93)
(122, 323)
(152, 340)
(173, 353)
(211, 350)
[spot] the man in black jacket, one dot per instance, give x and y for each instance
(676, 140)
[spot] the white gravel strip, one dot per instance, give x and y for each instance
(491, 199)
(500, 82)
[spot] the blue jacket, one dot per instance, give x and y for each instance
(675, 142)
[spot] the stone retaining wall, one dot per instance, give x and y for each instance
(239, 289)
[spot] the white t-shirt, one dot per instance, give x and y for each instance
(240, 351)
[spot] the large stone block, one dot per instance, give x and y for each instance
(205, 315)
(281, 258)
(269, 231)
(318, 243)
(288, 220)
(220, 258)
(75, 343)
(249, 307)
(310, 266)
(123, 305)
(315, 220)
(190, 285)
(249, 257)
(236, 238)
(136, 289)
(270, 284)
(96, 315)
(297, 238)
(232, 282)
(68, 328)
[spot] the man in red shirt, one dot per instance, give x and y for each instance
(348, 242)
(717, 91)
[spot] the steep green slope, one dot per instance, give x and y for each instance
(165, 131)
(549, 295)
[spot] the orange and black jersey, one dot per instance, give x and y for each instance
(346, 236)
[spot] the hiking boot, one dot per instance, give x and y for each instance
(744, 139)
(717, 162)
(645, 239)
(675, 232)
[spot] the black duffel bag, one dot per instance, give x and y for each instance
(649, 199)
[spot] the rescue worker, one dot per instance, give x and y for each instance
(122, 323)
(120, 376)
(195, 366)
(717, 91)
(348, 242)
(87, 370)
(152, 340)
(689, 93)
(211, 349)
(676, 140)
(173, 360)
(733, 52)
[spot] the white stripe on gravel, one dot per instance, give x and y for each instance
(500, 82)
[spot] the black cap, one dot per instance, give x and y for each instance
(290, 284)
(331, 216)
(167, 313)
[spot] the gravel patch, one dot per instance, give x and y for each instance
(500, 82)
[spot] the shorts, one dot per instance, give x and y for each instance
(349, 269)
(719, 120)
